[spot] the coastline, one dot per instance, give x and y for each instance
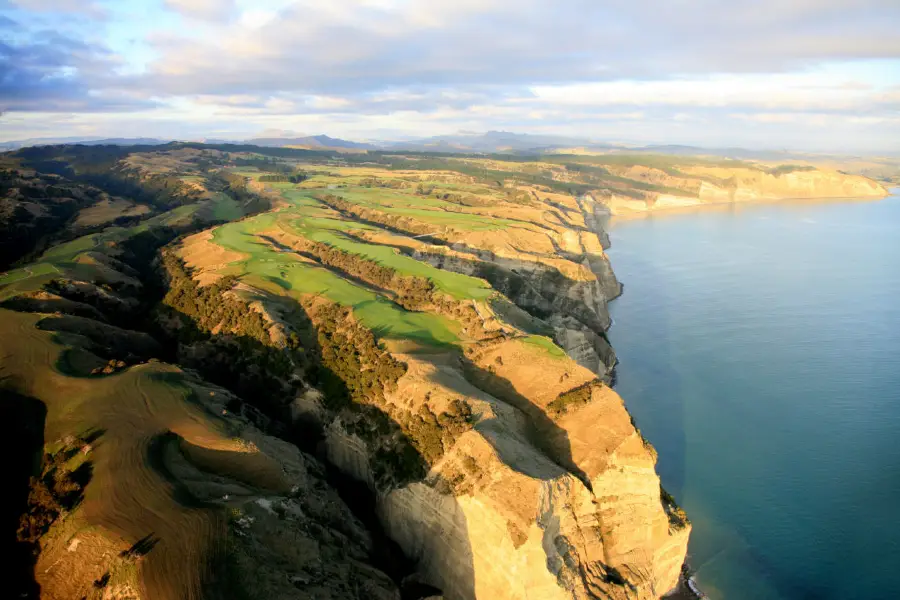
(687, 588)
(676, 209)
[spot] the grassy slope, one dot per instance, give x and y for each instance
(127, 499)
(285, 272)
(309, 220)
(61, 259)
(422, 208)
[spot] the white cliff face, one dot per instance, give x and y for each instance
(747, 184)
(720, 185)
(499, 519)
(535, 501)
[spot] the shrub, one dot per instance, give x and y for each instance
(573, 398)
(58, 489)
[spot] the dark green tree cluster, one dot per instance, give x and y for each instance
(264, 163)
(374, 182)
(351, 354)
(207, 306)
(785, 169)
(433, 434)
(240, 355)
(413, 293)
(293, 178)
(678, 519)
(573, 398)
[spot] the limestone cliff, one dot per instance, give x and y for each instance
(695, 185)
(550, 491)
(532, 501)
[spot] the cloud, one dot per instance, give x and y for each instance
(54, 72)
(618, 67)
(92, 9)
(212, 10)
(352, 46)
(787, 91)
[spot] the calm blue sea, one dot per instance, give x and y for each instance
(760, 354)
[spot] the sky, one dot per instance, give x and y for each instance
(814, 75)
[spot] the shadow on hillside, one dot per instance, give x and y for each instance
(261, 376)
(543, 433)
(24, 438)
(539, 295)
(141, 548)
(256, 374)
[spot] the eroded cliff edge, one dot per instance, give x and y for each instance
(504, 467)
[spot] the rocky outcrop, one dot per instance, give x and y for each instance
(574, 309)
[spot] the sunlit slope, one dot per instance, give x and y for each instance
(164, 487)
(174, 477)
(280, 271)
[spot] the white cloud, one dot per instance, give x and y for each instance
(795, 90)
(85, 7)
(212, 10)
(313, 47)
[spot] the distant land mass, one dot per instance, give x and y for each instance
(312, 141)
(884, 168)
(89, 141)
(500, 142)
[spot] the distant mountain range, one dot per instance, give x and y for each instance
(500, 142)
(311, 141)
(491, 142)
(49, 141)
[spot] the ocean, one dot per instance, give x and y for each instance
(759, 350)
